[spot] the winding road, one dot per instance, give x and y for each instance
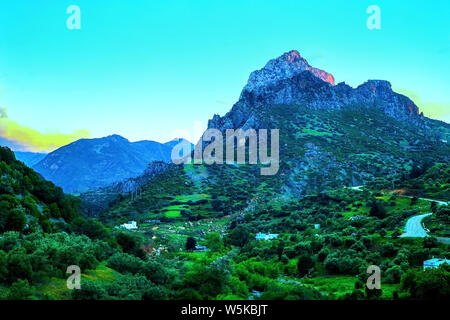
(414, 227)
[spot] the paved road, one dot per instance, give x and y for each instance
(414, 227)
(443, 240)
(414, 224)
(442, 203)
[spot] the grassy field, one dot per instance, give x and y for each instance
(341, 285)
(56, 288)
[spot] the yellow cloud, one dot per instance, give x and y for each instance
(32, 139)
(430, 109)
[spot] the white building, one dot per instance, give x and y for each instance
(267, 237)
(131, 225)
(434, 263)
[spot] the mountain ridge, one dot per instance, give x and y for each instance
(302, 87)
(88, 164)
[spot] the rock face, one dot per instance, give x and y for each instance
(97, 200)
(290, 80)
(284, 67)
(332, 135)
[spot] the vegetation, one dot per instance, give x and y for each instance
(326, 238)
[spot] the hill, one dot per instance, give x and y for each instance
(29, 158)
(330, 136)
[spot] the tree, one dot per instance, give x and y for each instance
(239, 236)
(431, 284)
(214, 242)
(430, 242)
(377, 210)
(304, 263)
(397, 233)
(125, 263)
(90, 291)
(18, 265)
(433, 207)
(96, 230)
(190, 244)
(155, 272)
(7, 155)
(393, 274)
(130, 244)
(3, 270)
(20, 290)
(443, 214)
(280, 250)
(16, 219)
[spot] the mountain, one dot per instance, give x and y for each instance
(13, 145)
(88, 164)
(331, 136)
(98, 200)
(28, 203)
(176, 141)
(29, 158)
(289, 80)
(286, 66)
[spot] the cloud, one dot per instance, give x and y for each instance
(34, 140)
(432, 109)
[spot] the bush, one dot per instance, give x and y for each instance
(90, 291)
(190, 244)
(239, 236)
(18, 265)
(432, 284)
(125, 263)
(304, 263)
(430, 242)
(20, 290)
(393, 274)
(377, 210)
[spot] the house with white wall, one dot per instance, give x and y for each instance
(266, 237)
(131, 225)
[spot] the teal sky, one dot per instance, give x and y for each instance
(144, 68)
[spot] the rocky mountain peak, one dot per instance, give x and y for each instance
(290, 80)
(286, 66)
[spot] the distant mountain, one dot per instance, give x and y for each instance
(29, 158)
(88, 164)
(331, 136)
(13, 145)
(174, 142)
